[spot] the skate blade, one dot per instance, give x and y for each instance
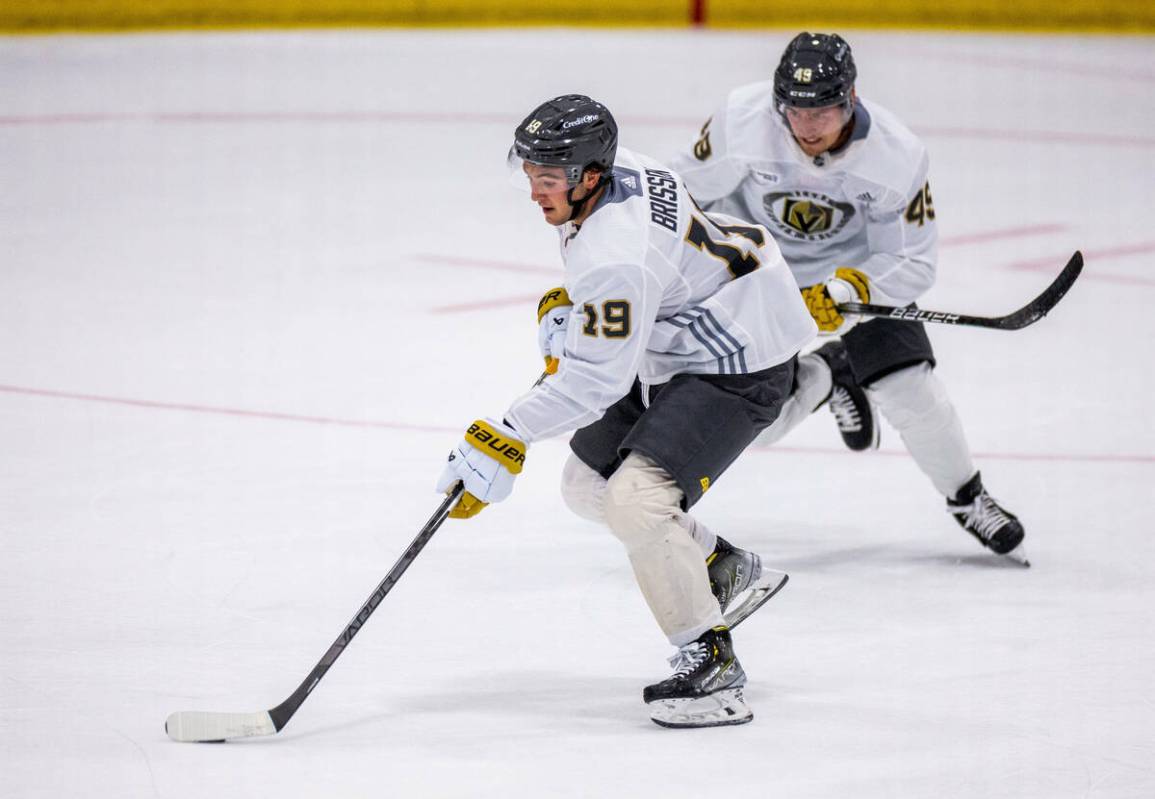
(1017, 555)
(719, 709)
(876, 439)
(769, 583)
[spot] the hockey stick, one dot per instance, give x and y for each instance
(203, 727)
(1030, 313)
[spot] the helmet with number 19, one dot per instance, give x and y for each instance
(556, 148)
(571, 131)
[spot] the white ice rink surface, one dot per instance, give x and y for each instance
(253, 286)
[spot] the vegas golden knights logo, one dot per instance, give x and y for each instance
(702, 149)
(806, 216)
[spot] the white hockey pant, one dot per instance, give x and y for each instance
(812, 384)
(915, 403)
(667, 547)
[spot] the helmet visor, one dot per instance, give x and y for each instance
(826, 114)
(535, 178)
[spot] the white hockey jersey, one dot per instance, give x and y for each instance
(660, 288)
(867, 205)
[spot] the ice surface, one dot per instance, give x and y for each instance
(253, 286)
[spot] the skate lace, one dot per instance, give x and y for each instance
(984, 516)
(844, 410)
(688, 658)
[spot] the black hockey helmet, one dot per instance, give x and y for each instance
(571, 131)
(816, 70)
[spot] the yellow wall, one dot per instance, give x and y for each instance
(60, 14)
(1058, 15)
(1066, 15)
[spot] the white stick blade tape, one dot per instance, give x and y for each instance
(196, 726)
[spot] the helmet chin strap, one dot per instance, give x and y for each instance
(576, 205)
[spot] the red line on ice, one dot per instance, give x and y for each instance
(1044, 67)
(241, 412)
(982, 237)
(245, 117)
(364, 423)
(979, 237)
(1092, 257)
(433, 117)
(527, 300)
(994, 456)
(481, 263)
(1036, 136)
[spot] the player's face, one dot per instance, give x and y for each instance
(817, 129)
(548, 188)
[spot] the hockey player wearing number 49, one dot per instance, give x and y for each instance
(671, 346)
(842, 185)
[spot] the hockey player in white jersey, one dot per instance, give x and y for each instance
(671, 345)
(842, 185)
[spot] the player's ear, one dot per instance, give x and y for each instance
(591, 177)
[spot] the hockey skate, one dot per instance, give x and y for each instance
(706, 687)
(996, 528)
(856, 418)
(738, 579)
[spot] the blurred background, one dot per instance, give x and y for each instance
(251, 257)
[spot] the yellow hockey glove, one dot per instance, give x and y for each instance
(553, 315)
(823, 299)
(486, 461)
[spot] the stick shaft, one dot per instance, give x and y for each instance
(284, 711)
(1030, 313)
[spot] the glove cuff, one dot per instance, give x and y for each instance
(552, 299)
(856, 279)
(498, 442)
(467, 507)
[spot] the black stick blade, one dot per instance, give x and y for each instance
(1030, 313)
(1039, 307)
